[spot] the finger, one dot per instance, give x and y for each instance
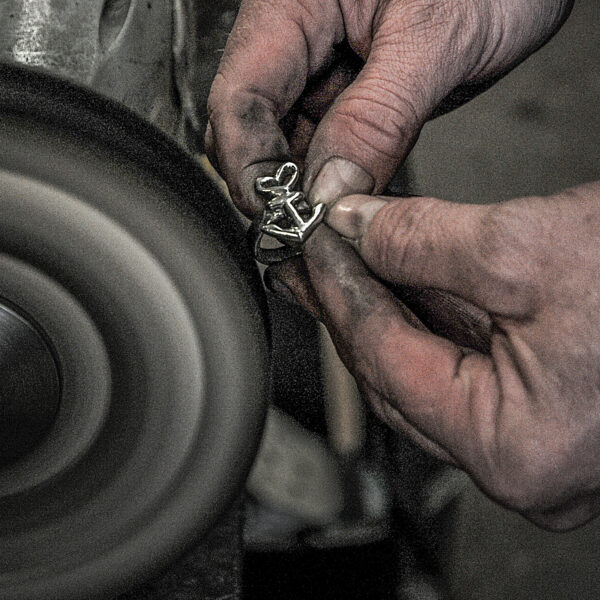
(441, 312)
(272, 50)
(396, 420)
(449, 316)
(316, 99)
(469, 250)
(290, 281)
(418, 54)
(447, 397)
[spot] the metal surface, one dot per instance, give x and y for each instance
(287, 217)
(30, 390)
(120, 48)
(132, 264)
(157, 57)
(199, 36)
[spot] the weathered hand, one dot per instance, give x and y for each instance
(523, 420)
(286, 89)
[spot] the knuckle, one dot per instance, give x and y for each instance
(503, 246)
(399, 234)
(429, 14)
(430, 23)
(446, 36)
(366, 129)
(495, 238)
(368, 122)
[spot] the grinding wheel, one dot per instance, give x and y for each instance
(132, 339)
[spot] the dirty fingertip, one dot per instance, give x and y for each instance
(274, 284)
(351, 216)
(289, 281)
(339, 177)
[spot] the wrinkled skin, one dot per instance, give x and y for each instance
(523, 417)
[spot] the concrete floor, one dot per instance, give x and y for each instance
(535, 132)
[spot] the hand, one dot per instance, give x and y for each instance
(286, 89)
(523, 420)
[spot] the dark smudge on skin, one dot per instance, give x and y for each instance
(258, 138)
(339, 275)
(254, 114)
(247, 181)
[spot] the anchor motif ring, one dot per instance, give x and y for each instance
(287, 217)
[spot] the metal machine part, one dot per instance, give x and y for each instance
(30, 391)
(121, 265)
(120, 48)
(158, 57)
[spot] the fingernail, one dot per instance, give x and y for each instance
(351, 216)
(337, 178)
(279, 288)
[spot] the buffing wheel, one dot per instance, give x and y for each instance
(132, 271)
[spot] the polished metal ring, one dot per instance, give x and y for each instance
(287, 218)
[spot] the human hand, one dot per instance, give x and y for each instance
(285, 89)
(523, 420)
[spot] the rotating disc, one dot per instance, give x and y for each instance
(135, 271)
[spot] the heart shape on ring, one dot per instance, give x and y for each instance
(287, 217)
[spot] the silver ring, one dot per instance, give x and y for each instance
(287, 217)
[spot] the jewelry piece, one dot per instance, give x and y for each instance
(287, 217)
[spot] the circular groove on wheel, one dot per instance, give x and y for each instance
(85, 391)
(30, 390)
(135, 268)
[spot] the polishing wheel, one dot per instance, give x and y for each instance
(133, 352)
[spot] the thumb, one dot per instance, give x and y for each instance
(431, 243)
(371, 127)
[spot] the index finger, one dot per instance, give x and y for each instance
(448, 397)
(274, 46)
